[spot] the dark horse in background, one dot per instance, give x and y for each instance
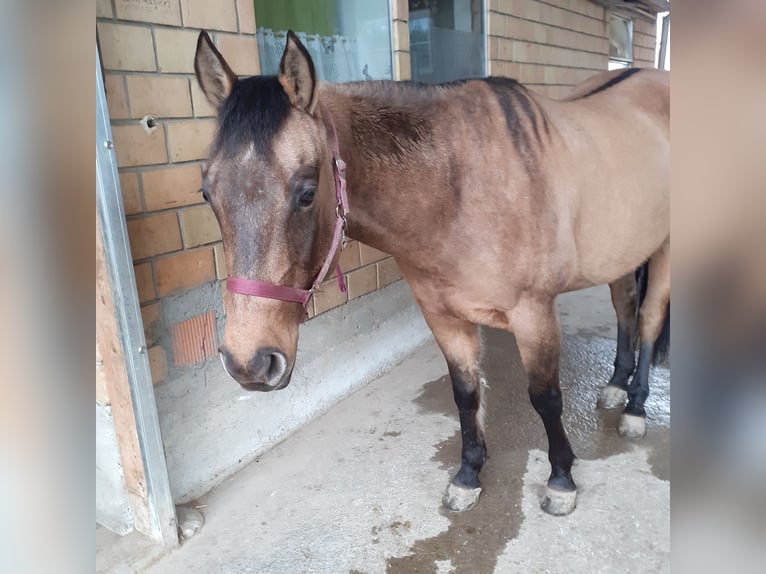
(492, 199)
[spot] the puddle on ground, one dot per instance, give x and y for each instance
(475, 539)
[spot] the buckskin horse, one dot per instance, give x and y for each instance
(491, 198)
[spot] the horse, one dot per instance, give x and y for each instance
(491, 198)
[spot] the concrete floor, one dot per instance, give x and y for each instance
(359, 489)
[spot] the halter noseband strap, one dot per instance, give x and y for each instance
(303, 296)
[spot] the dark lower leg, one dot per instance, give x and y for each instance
(548, 404)
(638, 390)
(624, 300)
(466, 387)
(625, 361)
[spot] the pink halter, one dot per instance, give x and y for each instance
(293, 294)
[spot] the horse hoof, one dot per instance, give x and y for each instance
(460, 498)
(612, 397)
(632, 426)
(559, 502)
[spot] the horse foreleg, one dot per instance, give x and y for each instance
(651, 317)
(535, 325)
(460, 344)
(624, 300)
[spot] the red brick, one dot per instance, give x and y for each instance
(328, 297)
(116, 101)
(144, 282)
(135, 146)
(370, 254)
(194, 340)
(362, 281)
(350, 257)
(131, 195)
(172, 187)
(199, 226)
(126, 47)
(388, 272)
(189, 139)
(162, 97)
(154, 235)
(164, 12)
(184, 270)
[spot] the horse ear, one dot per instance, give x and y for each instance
(213, 73)
(297, 75)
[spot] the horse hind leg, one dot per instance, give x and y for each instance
(536, 327)
(652, 316)
(460, 343)
(624, 300)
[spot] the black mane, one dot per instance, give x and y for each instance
(253, 113)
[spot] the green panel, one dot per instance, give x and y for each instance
(309, 16)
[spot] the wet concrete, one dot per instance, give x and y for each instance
(474, 540)
(359, 489)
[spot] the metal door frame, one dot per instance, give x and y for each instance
(119, 263)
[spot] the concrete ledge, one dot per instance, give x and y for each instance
(212, 428)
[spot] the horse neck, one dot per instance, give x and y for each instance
(378, 206)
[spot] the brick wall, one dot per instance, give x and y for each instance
(400, 14)
(644, 42)
(552, 45)
(549, 46)
(162, 126)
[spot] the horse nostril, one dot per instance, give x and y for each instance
(268, 366)
(276, 369)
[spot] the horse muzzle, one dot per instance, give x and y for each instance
(268, 370)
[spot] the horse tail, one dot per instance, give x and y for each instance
(662, 344)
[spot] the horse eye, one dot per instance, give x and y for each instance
(307, 196)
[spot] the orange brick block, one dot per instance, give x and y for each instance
(164, 97)
(328, 297)
(104, 9)
(189, 139)
(370, 254)
(401, 36)
(116, 101)
(388, 272)
(144, 282)
(172, 187)
(220, 261)
(246, 14)
(163, 12)
(154, 235)
(218, 15)
(241, 52)
(126, 47)
(402, 66)
(362, 281)
(194, 340)
(135, 146)
(350, 257)
(400, 10)
(184, 270)
(202, 108)
(176, 49)
(199, 226)
(496, 24)
(131, 196)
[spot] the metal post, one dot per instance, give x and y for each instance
(127, 311)
(663, 42)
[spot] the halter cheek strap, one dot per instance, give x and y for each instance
(303, 296)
